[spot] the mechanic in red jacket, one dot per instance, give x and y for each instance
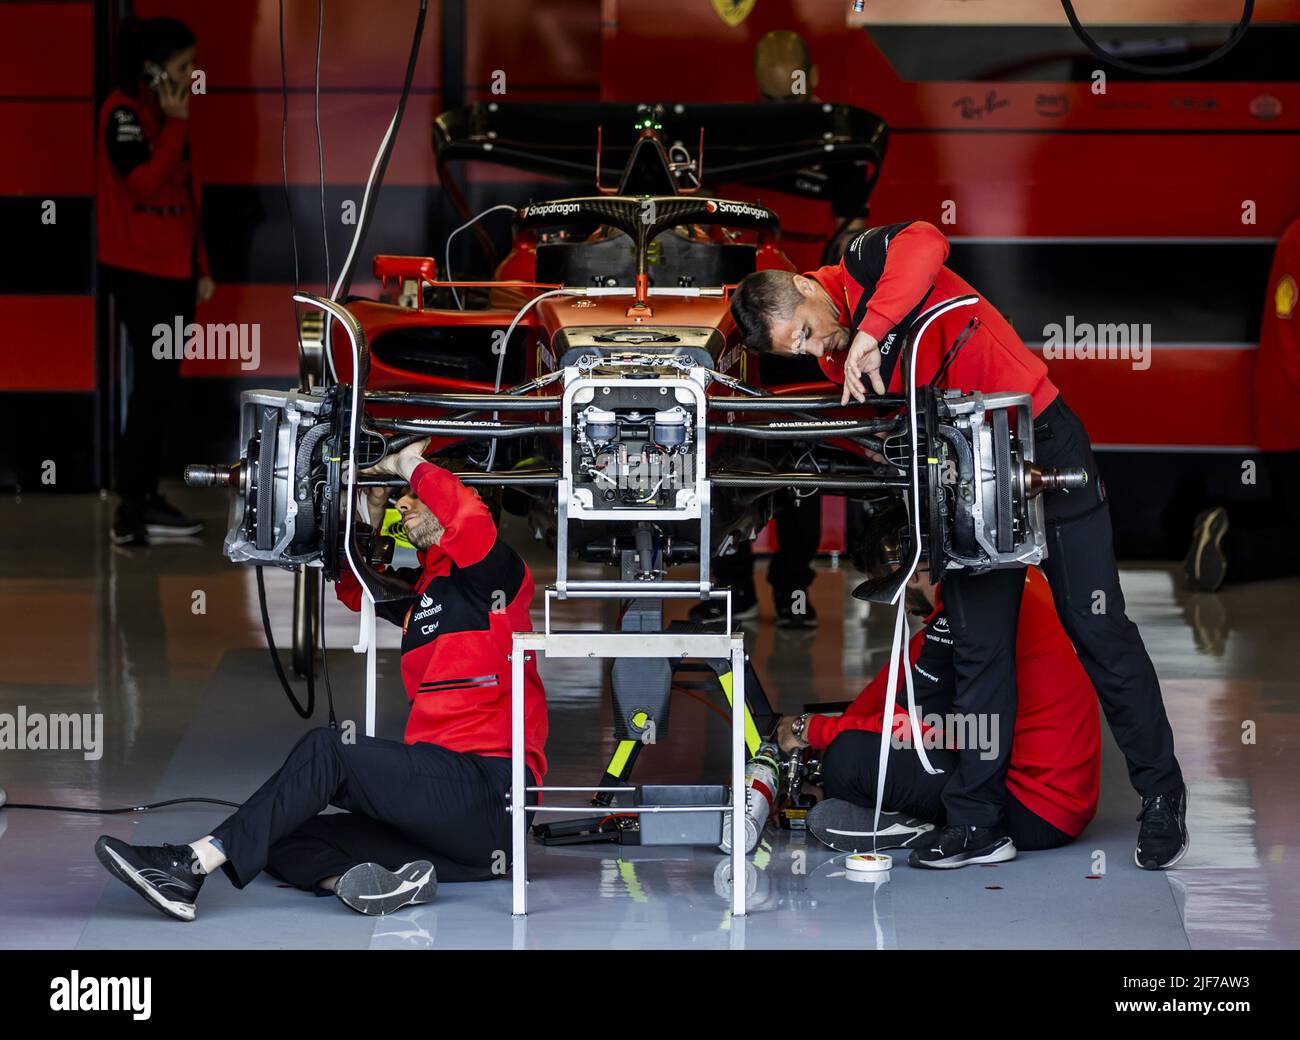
(151, 255)
(432, 808)
(1055, 756)
(854, 317)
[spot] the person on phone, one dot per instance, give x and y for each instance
(151, 256)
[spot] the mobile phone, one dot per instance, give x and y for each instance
(155, 74)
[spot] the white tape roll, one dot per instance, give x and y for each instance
(868, 863)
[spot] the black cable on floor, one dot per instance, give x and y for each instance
(303, 713)
(324, 658)
(117, 812)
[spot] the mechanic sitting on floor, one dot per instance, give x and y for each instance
(1054, 765)
(854, 317)
(432, 808)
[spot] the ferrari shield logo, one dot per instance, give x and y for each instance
(1284, 297)
(733, 12)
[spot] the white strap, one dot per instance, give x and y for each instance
(900, 597)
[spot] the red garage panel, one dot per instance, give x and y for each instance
(46, 50)
(547, 45)
(268, 306)
(364, 45)
(63, 164)
(352, 126)
(49, 343)
(1051, 185)
(1124, 407)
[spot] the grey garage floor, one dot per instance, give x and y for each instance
(191, 707)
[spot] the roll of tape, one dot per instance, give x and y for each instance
(868, 863)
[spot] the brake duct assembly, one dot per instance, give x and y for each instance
(962, 463)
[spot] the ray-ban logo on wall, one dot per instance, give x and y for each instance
(1107, 341)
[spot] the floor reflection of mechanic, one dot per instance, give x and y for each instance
(151, 254)
(853, 316)
(430, 809)
(1240, 543)
(1055, 757)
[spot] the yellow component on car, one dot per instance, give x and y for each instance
(392, 527)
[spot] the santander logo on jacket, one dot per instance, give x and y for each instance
(470, 595)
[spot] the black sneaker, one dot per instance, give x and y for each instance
(128, 524)
(1162, 838)
(744, 607)
(167, 876)
(788, 617)
(164, 520)
(846, 827)
(1206, 565)
(370, 889)
(962, 846)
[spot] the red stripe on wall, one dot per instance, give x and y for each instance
(50, 148)
(48, 343)
(1012, 185)
(268, 306)
(352, 126)
(555, 43)
(363, 44)
(1187, 397)
(46, 50)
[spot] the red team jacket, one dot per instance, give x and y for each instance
(1055, 767)
(888, 276)
(471, 594)
(146, 198)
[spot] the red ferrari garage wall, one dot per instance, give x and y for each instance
(543, 50)
(47, 307)
(1064, 204)
(1061, 204)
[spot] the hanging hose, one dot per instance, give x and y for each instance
(303, 713)
(1247, 11)
(377, 170)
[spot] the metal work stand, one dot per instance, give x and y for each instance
(663, 645)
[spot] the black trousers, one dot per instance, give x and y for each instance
(143, 301)
(850, 768)
(984, 612)
(798, 532)
(405, 802)
(1263, 540)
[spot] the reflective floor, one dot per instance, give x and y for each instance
(166, 644)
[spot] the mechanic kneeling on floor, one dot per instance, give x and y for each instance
(433, 808)
(1054, 765)
(854, 317)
